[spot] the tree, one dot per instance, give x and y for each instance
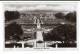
(12, 29)
(66, 32)
(16, 37)
(51, 36)
(59, 15)
(61, 33)
(71, 16)
(11, 15)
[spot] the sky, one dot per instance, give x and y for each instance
(55, 7)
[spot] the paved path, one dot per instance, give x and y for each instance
(39, 35)
(39, 32)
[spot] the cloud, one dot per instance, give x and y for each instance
(62, 7)
(26, 8)
(11, 8)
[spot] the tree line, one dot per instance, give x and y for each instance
(64, 33)
(11, 15)
(71, 16)
(12, 30)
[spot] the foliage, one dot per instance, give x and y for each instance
(59, 15)
(61, 33)
(71, 16)
(11, 15)
(13, 30)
